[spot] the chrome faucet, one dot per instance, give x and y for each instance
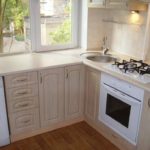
(104, 47)
(105, 51)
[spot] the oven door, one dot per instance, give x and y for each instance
(120, 112)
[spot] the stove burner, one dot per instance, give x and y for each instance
(132, 66)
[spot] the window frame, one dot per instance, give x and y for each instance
(35, 25)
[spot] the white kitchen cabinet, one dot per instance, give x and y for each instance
(92, 93)
(116, 4)
(144, 130)
(74, 91)
(96, 4)
(51, 90)
(22, 103)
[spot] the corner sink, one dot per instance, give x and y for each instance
(102, 58)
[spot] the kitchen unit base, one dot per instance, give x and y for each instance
(15, 138)
(112, 136)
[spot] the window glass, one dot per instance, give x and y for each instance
(56, 22)
(14, 26)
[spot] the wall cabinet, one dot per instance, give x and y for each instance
(92, 93)
(96, 4)
(108, 4)
(74, 91)
(51, 92)
(116, 4)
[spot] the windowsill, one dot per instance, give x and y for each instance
(12, 54)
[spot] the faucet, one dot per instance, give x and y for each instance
(105, 50)
(104, 47)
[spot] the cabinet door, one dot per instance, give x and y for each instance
(144, 130)
(96, 4)
(74, 91)
(116, 4)
(92, 93)
(51, 89)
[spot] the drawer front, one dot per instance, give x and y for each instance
(24, 121)
(23, 104)
(20, 79)
(22, 92)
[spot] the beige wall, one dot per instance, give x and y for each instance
(95, 28)
(124, 30)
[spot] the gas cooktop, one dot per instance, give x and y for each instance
(136, 69)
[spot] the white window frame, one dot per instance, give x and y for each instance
(36, 28)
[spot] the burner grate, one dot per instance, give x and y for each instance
(133, 65)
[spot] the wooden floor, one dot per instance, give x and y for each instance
(79, 136)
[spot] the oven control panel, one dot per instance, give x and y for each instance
(122, 86)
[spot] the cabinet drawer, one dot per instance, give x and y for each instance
(20, 79)
(24, 121)
(23, 104)
(22, 92)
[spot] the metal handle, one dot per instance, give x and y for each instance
(41, 79)
(67, 75)
(149, 102)
(23, 105)
(22, 93)
(22, 80)
(26, 121)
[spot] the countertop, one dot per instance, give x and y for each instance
(37, 61)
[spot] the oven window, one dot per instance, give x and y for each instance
(118, 110)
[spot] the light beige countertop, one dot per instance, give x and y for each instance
(37, 61)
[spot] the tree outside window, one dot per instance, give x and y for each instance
(12, 15)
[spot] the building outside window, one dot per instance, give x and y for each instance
(37, 25)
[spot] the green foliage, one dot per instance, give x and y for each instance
(19, 37)
(62, 34)
(14, 12)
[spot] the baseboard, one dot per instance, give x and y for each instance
(65, 123)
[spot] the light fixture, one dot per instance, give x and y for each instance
(135, 12)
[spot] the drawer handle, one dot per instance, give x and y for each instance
(22, 93)
(22, 80)
(26, 121)
(23, 105)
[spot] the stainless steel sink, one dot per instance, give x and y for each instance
(102, 58)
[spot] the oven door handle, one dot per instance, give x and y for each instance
(121, 94)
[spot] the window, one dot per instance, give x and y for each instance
(50, 25)
(56, 24)
(14, 26)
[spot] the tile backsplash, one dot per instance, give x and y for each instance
(125, 31)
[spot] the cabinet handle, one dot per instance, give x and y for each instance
(67, 75)
(22, 93)
(23, 105)
(22, 80)
(26, 121)
(41, 80)
(149, 102)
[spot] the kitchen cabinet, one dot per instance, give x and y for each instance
(116, 4)
(22, 103)
(74, 91)
(96, 4)
(144, 130)
(51, 92)
(120, 4)
(92, 93)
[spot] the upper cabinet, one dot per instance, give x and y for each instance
(120, 4)
(97, 3)
(116, 4)
(107, 3)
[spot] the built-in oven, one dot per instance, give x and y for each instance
(120, 106)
